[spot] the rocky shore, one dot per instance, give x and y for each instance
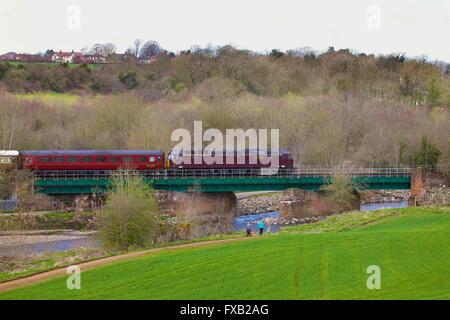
(274, 201)
(383, 196)
(296, 221)
(436, 196)
(263, 203)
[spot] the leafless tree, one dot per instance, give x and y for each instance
(149, 49)
(103, 49)
(137, 47)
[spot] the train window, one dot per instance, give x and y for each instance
(142, 159)
(59, 159)
(159, 159)
(100, 159)
(127, 159)
(87, 159)
(72, 159)
(45, 160)
(113, 159)
(152, 159)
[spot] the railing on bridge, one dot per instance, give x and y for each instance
(304, 171)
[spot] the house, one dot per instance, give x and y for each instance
(148, 60)
(10, 56)
(67, 57)
(94, 58)
(121, 57)
(22, 57)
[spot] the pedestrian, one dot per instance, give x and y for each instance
(268, 223)
(248, 230)
(261, 226)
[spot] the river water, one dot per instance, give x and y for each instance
(49, 246)
(91, 242)
(241, 222)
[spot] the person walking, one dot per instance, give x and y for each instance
(261, 226)
(268, 223)
(248, 230)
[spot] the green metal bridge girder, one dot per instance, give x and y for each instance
(87, 186)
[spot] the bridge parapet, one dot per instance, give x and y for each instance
(305, 171)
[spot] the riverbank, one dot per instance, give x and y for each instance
(274, 201)
(14, 267)
(17, 238)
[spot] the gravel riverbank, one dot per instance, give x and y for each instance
(15, 238)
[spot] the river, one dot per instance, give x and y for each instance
(91, 242)
(241, 222)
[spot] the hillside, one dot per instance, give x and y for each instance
(330, 107)
(327, 260)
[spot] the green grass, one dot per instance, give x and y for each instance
(51, 64)
(26, 266)
(50, 98)
(327, 260)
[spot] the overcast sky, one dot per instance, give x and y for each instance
(415, 27)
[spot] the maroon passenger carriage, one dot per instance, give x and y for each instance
(92, 160)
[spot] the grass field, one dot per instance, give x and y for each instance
(51, 64)
(50, 98)
(327, 260)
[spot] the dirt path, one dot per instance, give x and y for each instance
(41, 277)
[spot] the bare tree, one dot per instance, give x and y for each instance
(103, 49)
(8, 123)
(150, 49)
(109, 49)
(137, 47)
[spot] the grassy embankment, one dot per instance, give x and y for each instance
(325, 260)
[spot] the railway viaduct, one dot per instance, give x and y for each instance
(214, 192)
(311, 178)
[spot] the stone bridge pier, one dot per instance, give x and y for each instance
(306, 203)
(199, 213)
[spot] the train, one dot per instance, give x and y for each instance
(107, 160)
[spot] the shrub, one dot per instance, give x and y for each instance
(341, 190)
(129, 218)
(129, 79)
(179, 87)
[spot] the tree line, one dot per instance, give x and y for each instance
(334, 107)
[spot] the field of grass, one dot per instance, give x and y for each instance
(327, 260)
(51, 64)
(18, 267)
(50, 98)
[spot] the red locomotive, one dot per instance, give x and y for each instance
(228, 159)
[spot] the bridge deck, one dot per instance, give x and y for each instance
(83, 182)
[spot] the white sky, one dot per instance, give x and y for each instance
(416, 27)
